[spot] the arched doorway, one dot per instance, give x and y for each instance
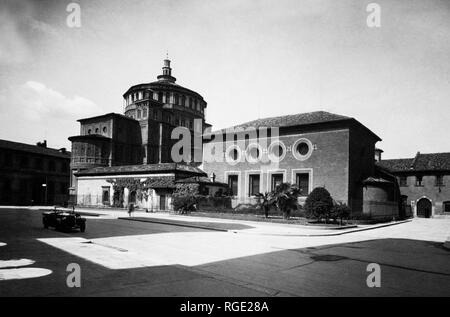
(424, 208)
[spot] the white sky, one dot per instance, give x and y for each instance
(248, 58)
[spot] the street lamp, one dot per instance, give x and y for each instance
(45, 185)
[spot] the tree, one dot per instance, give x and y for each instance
(285, 198)
(264, 202)
(319, 203)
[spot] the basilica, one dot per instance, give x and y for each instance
(123, 159)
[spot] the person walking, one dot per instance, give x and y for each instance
(130, 209)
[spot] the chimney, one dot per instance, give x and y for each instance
(378, 154)
(213, 177)
(42, 144)
(63, 150)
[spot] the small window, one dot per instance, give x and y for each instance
(51, 166)
(302, 182)
(89, 131)
(439, 180)
(403, 181)
(277, 179)
(96, 131)
(419, 181)
(253, 183)
(144, 113)
(446, 206)
(38, 164)
(139, 112)
(105, 129)
(233, 184)
(24, 162)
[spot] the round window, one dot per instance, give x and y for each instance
(253, 153)
(233, 154)
(302, 149)
(277, 151)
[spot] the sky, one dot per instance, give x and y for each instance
(249, 59)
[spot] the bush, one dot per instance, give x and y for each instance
(184, 203)
(340, 211)
(319, 204)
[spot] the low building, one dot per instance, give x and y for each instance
(33, 174)
(424, 182)
(148, 186)
(316, 149)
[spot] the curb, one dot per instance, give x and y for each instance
(447, 244)
(326, 234)
(185, 224)
(174, 224)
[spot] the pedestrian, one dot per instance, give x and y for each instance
(130, 209)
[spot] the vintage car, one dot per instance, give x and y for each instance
(63, 220)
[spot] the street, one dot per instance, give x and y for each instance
(132, 258)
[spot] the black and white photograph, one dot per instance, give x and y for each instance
(225, 153)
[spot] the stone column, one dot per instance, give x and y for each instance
(125, 197)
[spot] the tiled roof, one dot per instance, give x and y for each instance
(376, 180)
(199, 179)
(160, 182)
(16, 146)
(291, 120)
(421, 162)
(396, 165)
(111, 114)
(144, 168)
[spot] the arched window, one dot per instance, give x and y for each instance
(167, 97)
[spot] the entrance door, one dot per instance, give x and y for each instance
(424, 208)
(162, 202)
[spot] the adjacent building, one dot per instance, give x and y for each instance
(308, 149)
(424, 182)
(33, 174)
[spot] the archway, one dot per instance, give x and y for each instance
(424, 208)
